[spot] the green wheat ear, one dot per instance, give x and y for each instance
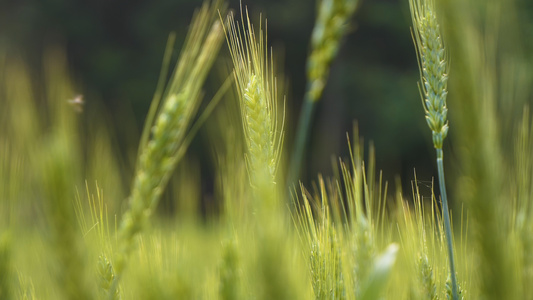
(331, 25)
(166, 128)
(106, 278)
(257, 92)
(433, 64)
(427, 279)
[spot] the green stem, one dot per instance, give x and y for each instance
(302, 134)
(446, 217)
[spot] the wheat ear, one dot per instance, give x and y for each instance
(434, 68)
(433, 65)
(427, 280)
(106, 278)
(160, 155)
(257, 91)
(331, 25)
(263, 132)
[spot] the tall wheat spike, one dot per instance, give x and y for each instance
(434, 68)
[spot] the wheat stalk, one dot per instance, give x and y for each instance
(330, 27)
(433, 65)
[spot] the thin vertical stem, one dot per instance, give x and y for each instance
(301, 140)
(446, 217)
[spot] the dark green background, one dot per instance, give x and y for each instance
(115, 49)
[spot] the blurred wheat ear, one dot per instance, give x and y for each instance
(163, 139)
(331, 25)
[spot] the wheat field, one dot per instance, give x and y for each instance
(79, 220)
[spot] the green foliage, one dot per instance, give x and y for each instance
(230, 273)
(6, 274)
(344, 238)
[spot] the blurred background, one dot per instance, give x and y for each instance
(115, 48)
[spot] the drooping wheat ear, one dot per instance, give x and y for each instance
(257, 91)
(433, 66)
(330, 26)
(160, 152)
